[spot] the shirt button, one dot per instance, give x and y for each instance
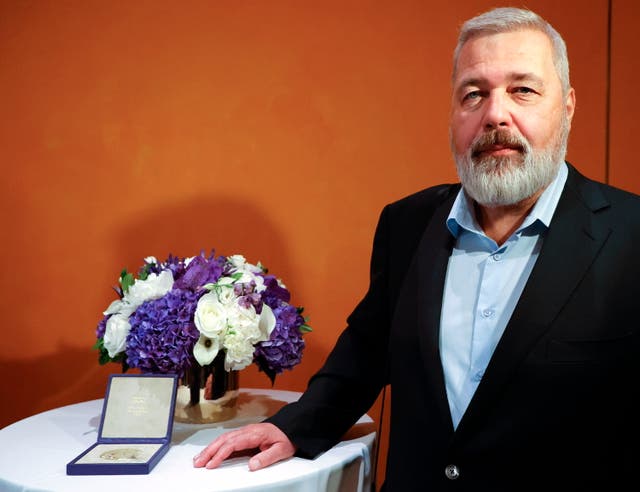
(452, 472)
(496, 257)
(487, 313)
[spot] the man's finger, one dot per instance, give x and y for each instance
(277, 452)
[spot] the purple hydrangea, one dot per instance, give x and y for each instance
(163, 333)
(102, 326)
(284, 348)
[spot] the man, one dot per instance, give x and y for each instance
(502, 312)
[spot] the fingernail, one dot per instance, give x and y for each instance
(254, 464)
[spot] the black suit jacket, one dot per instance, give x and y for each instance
(556, 408)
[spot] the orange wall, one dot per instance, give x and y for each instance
(276, 129)
(625, 106)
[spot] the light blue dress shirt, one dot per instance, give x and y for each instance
(483, 284)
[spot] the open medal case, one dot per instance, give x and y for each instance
(135, 426)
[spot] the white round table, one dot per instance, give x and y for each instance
(34, 453)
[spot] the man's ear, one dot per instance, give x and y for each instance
(570, 104)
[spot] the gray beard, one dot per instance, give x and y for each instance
(507, 180)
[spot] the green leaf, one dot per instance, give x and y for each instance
(104, 358)
(126, 281)
(305, 328)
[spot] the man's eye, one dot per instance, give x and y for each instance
(471, 95)
(524, 90)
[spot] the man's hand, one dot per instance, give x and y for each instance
(273, 444)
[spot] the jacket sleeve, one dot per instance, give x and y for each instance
(358, 366)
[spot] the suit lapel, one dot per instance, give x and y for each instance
(570, 247)
(429, 273)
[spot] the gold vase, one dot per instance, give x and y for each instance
(207, 394)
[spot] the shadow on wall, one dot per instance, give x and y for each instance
(226, 224)
(33, 385)
(72, 374)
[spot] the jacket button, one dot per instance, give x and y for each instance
(452, 472)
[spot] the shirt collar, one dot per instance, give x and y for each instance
(462, 215)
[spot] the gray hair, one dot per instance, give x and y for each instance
(509, 19)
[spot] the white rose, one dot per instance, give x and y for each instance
(211, 316)
(115, 334)
(150, 260)
(154, 287)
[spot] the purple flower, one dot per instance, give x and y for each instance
(274, 293)
(284, 348)
(102, 326)
(163, 334)
(173, 263)
(199, 272)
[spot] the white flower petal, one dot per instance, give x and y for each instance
(225, 281)
(237, 261)
(211, 316)
(154, 287)
(115, 334)
(239, 352)
(206, 350)
(267, 322)
(259, 280)
(114, 307)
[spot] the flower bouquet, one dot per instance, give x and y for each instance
(185, 313)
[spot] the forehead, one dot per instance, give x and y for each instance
(490, 55)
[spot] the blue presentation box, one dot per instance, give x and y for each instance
(135, 426)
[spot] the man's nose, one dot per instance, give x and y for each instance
(496, 112)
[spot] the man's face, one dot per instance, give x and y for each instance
(509, 119)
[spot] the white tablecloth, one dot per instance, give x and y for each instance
(34, 453)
